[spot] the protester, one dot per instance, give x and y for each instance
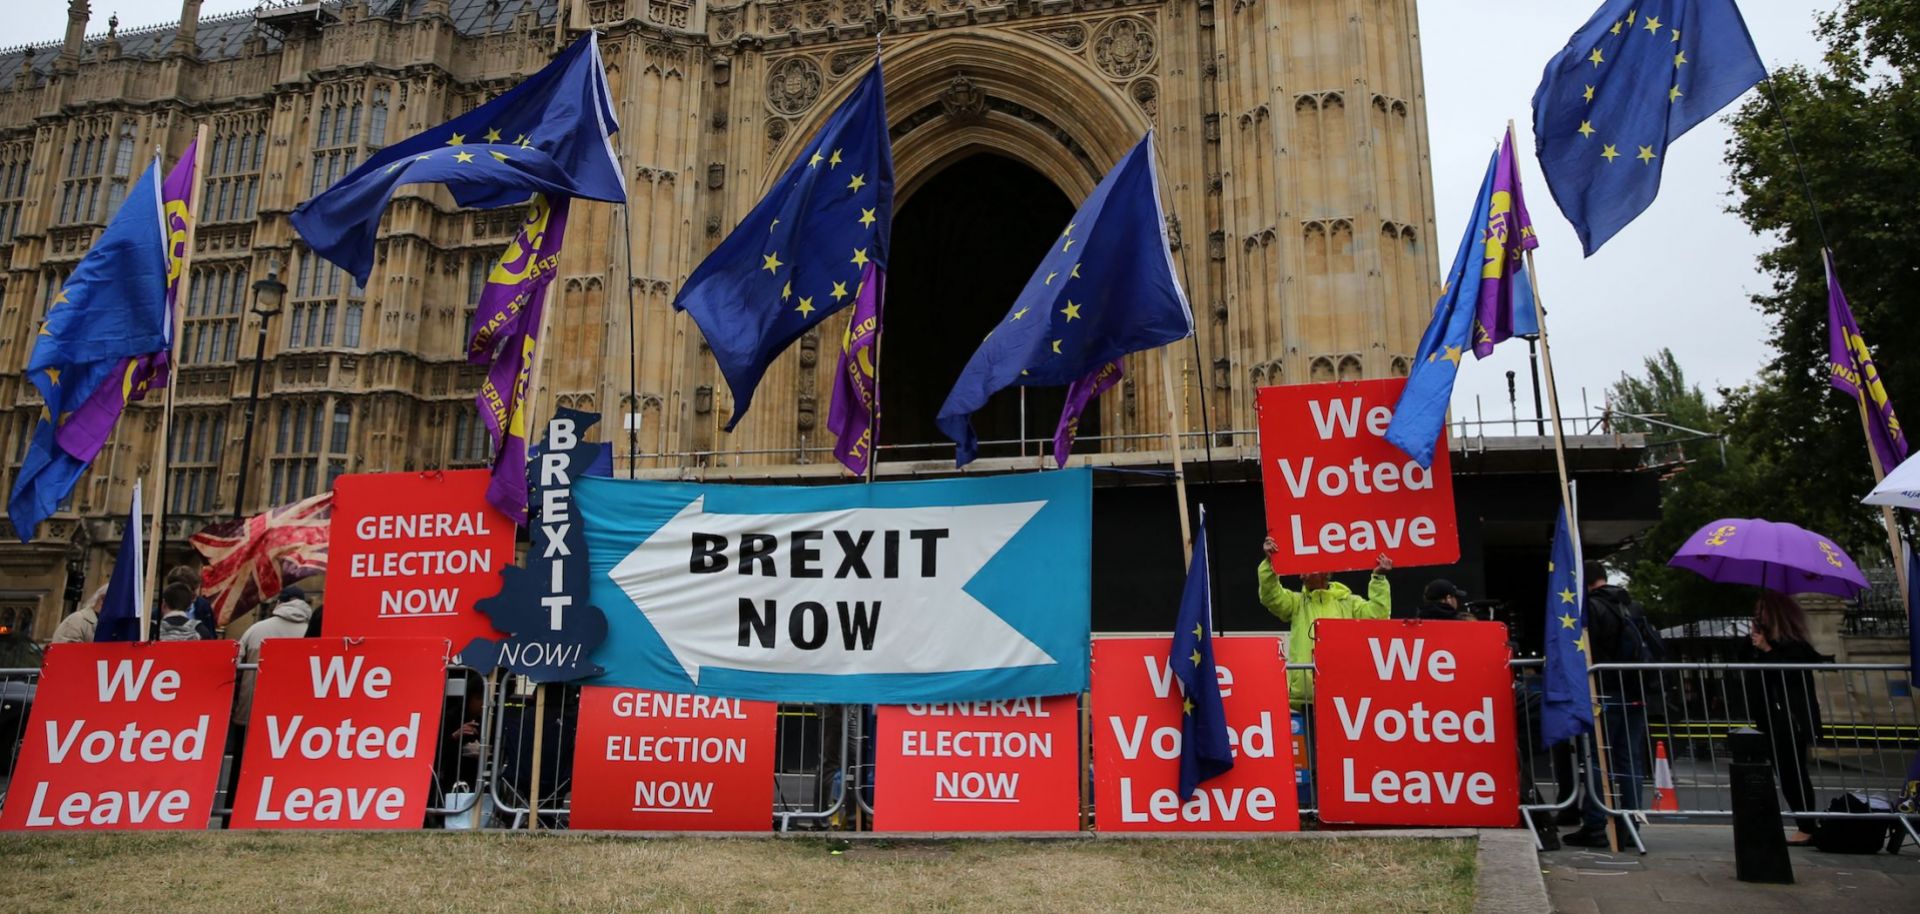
(1782, 702)
(78, 627)
(199, 609)
(1617, 632)
(174, 624)
(1443, 600)
(1319, 598)
(288, 620)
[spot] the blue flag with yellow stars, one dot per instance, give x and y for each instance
(1105, 289)
(1205, 751)
(1567, 706)
(1631, 81)
(547, 135)
(113, 307)
(800, 254)
(1422, 408)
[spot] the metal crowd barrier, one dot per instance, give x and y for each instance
(1866, 733)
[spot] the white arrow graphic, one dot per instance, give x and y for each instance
(851, 616)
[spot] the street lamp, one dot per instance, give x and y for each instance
(268, 296)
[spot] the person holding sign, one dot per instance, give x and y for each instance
(1319, 597)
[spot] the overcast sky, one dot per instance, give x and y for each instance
(1679, 276)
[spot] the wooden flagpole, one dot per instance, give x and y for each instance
(1886, 511)
(1176, 423)
(173, 363)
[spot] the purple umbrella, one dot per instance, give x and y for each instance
(1776, 556)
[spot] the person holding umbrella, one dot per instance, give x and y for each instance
(1782, 702)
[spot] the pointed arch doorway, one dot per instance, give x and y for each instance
(964, 244)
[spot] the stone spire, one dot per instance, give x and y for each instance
(77, 13)
(186, 39)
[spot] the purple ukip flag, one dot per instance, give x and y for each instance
(1855, 374)
(506, 327)
(1506, 302)
(856, 389)
(87, 429)
(1080, 394)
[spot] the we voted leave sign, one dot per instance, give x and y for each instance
(409, 554)
(1415, 723)
(123, 736)
(1338, 495)
(892, 593)
(1137, 707)
(343, 733)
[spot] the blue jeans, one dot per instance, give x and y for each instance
(1626, 728)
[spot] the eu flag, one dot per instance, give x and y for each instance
(1487, 282)
(802, 251)
(120, 615)
(111, 309)
(1204, 749)
(1567, 706)
(1631, 81)
(1105, 289)
(547, 135)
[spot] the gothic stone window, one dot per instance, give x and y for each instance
(199, 439)
(212, 328)
(310, 435)
(15, 162)
(233, 168)
(319, 317)
(471, 446)
(86, 193)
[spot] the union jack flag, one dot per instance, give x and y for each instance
(251, 560)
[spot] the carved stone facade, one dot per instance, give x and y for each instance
(1293, 144)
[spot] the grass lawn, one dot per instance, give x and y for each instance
(442, 872)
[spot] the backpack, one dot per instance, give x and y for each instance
(1639, 640)
(1864, 834)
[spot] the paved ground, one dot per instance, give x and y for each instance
(1692, 865)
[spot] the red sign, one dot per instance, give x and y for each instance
(979, 766)
(1338, 495)
(1414, 723)
(410, 553)
(1136, 740)
(343, 734)
(657, 760)
(125, 735)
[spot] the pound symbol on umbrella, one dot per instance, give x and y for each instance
(1827, 550)
(1720, 535)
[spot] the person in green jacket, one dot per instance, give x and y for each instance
(1318, 598)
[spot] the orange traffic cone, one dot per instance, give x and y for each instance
(1664, 799)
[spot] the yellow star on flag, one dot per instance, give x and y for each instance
(816, 160)
(1653, 24)
(43, 329)
(839, 291)
(1198, 630)
(1646, 155)
(1567, 621)
(1566, 596)
(867, 217)
(775, 224)
(463, 157)
(394, 167)
(1072, 310)
(1615, 30)
(1680, 58)
(1068, 246)
(1196, 656)
(1609, 153)
(524, 142)
(786, 291)
(1597, 57)
(458, 139)
(771, 262)
(859, 257)
(53, 376)
(1589, 94)
(1676, 34)
(423, 157)
(858, 182)
(835, 160)
(493, 136)
(1049, 280)
(1673, 94)
(1056, 347)
(1452, 354)
(1075, 274)
(1187, 705)
(1021, 313)
(806, 306)
(1069, 230)
(1581, 645)
(1586, 128)
(499, 155)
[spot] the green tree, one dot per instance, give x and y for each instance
(1854, 146)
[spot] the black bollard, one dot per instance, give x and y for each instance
(1759, 847)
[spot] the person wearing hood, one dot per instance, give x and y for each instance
(288, 620)
(1319, 598)
(78, 628)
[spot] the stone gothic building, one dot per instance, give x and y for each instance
(1293, 140)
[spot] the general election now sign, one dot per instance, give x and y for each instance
(1338, 495)
(660, 761)
(343, 734)
(893, 593)
(1137, 735)
(979, 766)
(124, 736)
(411, 553)
(1415, 723)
